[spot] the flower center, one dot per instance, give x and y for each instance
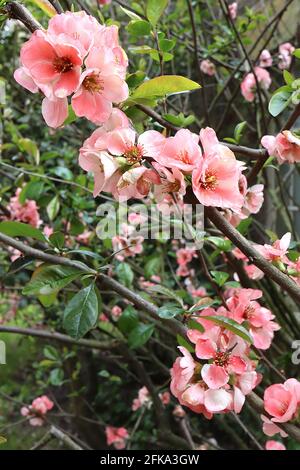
(210, 181)
(62, 64)
(93, 83)
(221, 358)
(133, 154)
(184, 156)
(249, 311)
(171, 187)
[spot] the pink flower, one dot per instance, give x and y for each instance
(171, 181)
(104, 2)
(179, 412)
(282, 401)
(243, 306)
(76, 28)
(53, 65)
(254, 199)
(285, 146)
(233, 10)
(37, 410)
(116, 437)
(285, 55)
(216, 179)
(48, 231)
(144, 399)
(26, 213)
(277, 251)
(208, 67)
(274, 445)
(270, 428)
(248, 85)
(181, 151)
(23, 77)
(165, 398)
(265, 59)
(100, 86)
(116, 311)
(84, 237)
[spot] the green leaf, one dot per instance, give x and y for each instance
(128, 320)
(2, 440)
(230, 325)
(244, 225)
(81, 313)
(220, 277)
(185, 343)
(166, 292)
(296, 53)
(51, 353)
(279, 102)
(169, 310)
(18, 229)
(154, 10)
(139, 28)
(202, 306)
(27, 145)
(221, 243)
(140, 335)
(194, 325)
(134, 79)
(53, 208)
(63, 172)
(57, 239)
(238, 131)
(56, 377)
(71, 116)
(32, 190)
(152, 266)
(167, 45)
(125, 274)
(48, 279)
(166, 85)
(20, 263)
(288, 77)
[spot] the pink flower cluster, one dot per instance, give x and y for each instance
(37, 410)
(183, 257)
(74, 56)
(144, 399)
(282, 403)
(116, 437)
(129, 243)
(285, 146)
(27, 213)
(285, 55)
(249, 85)
(122, 164)
(208, 67)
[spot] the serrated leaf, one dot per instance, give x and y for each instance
(185, 343)
(140, 335)
(163, 86)
(220, 277)
(166, 292)
(48, 279)
(230, 325)
(139, 28)
(81, 313)
(18, 229)
(154, 10)
(169, 310)
(125, 274)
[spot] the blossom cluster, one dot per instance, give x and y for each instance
(75, 56)
(144, 399)
(222, 372)
(37, 410)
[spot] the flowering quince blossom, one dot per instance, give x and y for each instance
(282, 401)
(181, 151)
(276, 252)
(285, 146)
(252, 271)
(285, 55)
(215, 180)
(26, 213)
(208, 67)
(144, 399)
(274, 445)
(248, 85)
(243, 306)
(270, 428)
(233, 7)
(265, 59)
(104, 2)
(52, 61)
(183, 257)
(37, 410)
(128, 243)
(116, 437)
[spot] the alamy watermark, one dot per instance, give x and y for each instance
(2, 352)
(161, 221)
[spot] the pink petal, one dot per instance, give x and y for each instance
(217, 400)
(214, 376)
(55, 112)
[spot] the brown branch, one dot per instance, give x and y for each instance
(63, 437)
(256, 258)
(124, 292)
(16, 11)
(54, 336)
